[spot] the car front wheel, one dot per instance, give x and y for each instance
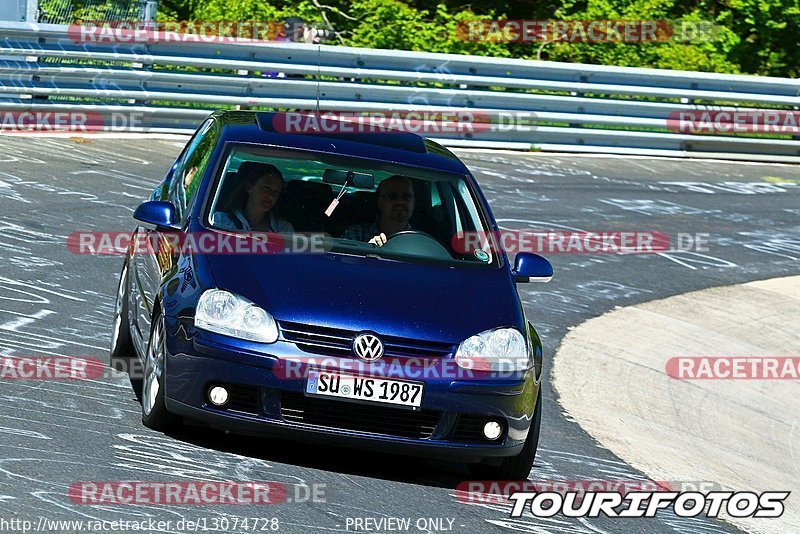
(121, 352)
(154, 410)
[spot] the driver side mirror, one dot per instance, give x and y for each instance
(529, 267)
(157, 214)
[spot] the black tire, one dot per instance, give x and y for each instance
(514, 467)
(121, 352)
(154, 410)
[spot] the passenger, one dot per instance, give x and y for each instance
(395, 204)
(250, 207)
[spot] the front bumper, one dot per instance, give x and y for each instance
(265, 402)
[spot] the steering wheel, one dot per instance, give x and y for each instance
(410, 232)
(416, 243)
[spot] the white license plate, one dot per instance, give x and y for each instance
(400, 392)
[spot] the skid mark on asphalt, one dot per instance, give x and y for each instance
(695, 260)
(740, 188)
(774, 243)
(23, 433)
(25, 320)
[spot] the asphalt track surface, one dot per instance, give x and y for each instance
(53, 302)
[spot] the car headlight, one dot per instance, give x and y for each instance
(502, 349)
(225, 313)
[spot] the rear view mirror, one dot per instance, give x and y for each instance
(361, 180)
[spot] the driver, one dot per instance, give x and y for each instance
(395, 204)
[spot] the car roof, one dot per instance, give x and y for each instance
(395, 146)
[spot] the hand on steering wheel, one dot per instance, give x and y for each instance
(379, 240)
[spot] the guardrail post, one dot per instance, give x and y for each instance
(32, 11)
(150, 10)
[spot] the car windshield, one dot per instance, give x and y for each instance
(422, 213)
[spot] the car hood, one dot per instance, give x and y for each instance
(421, 301)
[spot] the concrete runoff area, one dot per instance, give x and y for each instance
(742, 434)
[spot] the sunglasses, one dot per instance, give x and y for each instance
(398, 196)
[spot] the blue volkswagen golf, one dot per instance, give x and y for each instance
(311, 286)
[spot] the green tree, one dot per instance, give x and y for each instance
(689, 48)
(770, 36)
(750, 36)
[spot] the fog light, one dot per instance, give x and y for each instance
(492, 430)
(218, 395)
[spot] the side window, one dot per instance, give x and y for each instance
(450, 199)
(470, 210)
(163, 191)
(190, 171)
(435, 200)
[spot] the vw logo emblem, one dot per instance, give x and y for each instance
(368, 347)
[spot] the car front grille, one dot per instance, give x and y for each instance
(358, 417)
(338, 342)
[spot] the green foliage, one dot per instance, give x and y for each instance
(238, 10)
(697, 43)
(396, 25)
(391, 24)
(770, 36)
(750, 36)
(67, 11)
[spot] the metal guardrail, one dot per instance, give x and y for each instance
(582, 108)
